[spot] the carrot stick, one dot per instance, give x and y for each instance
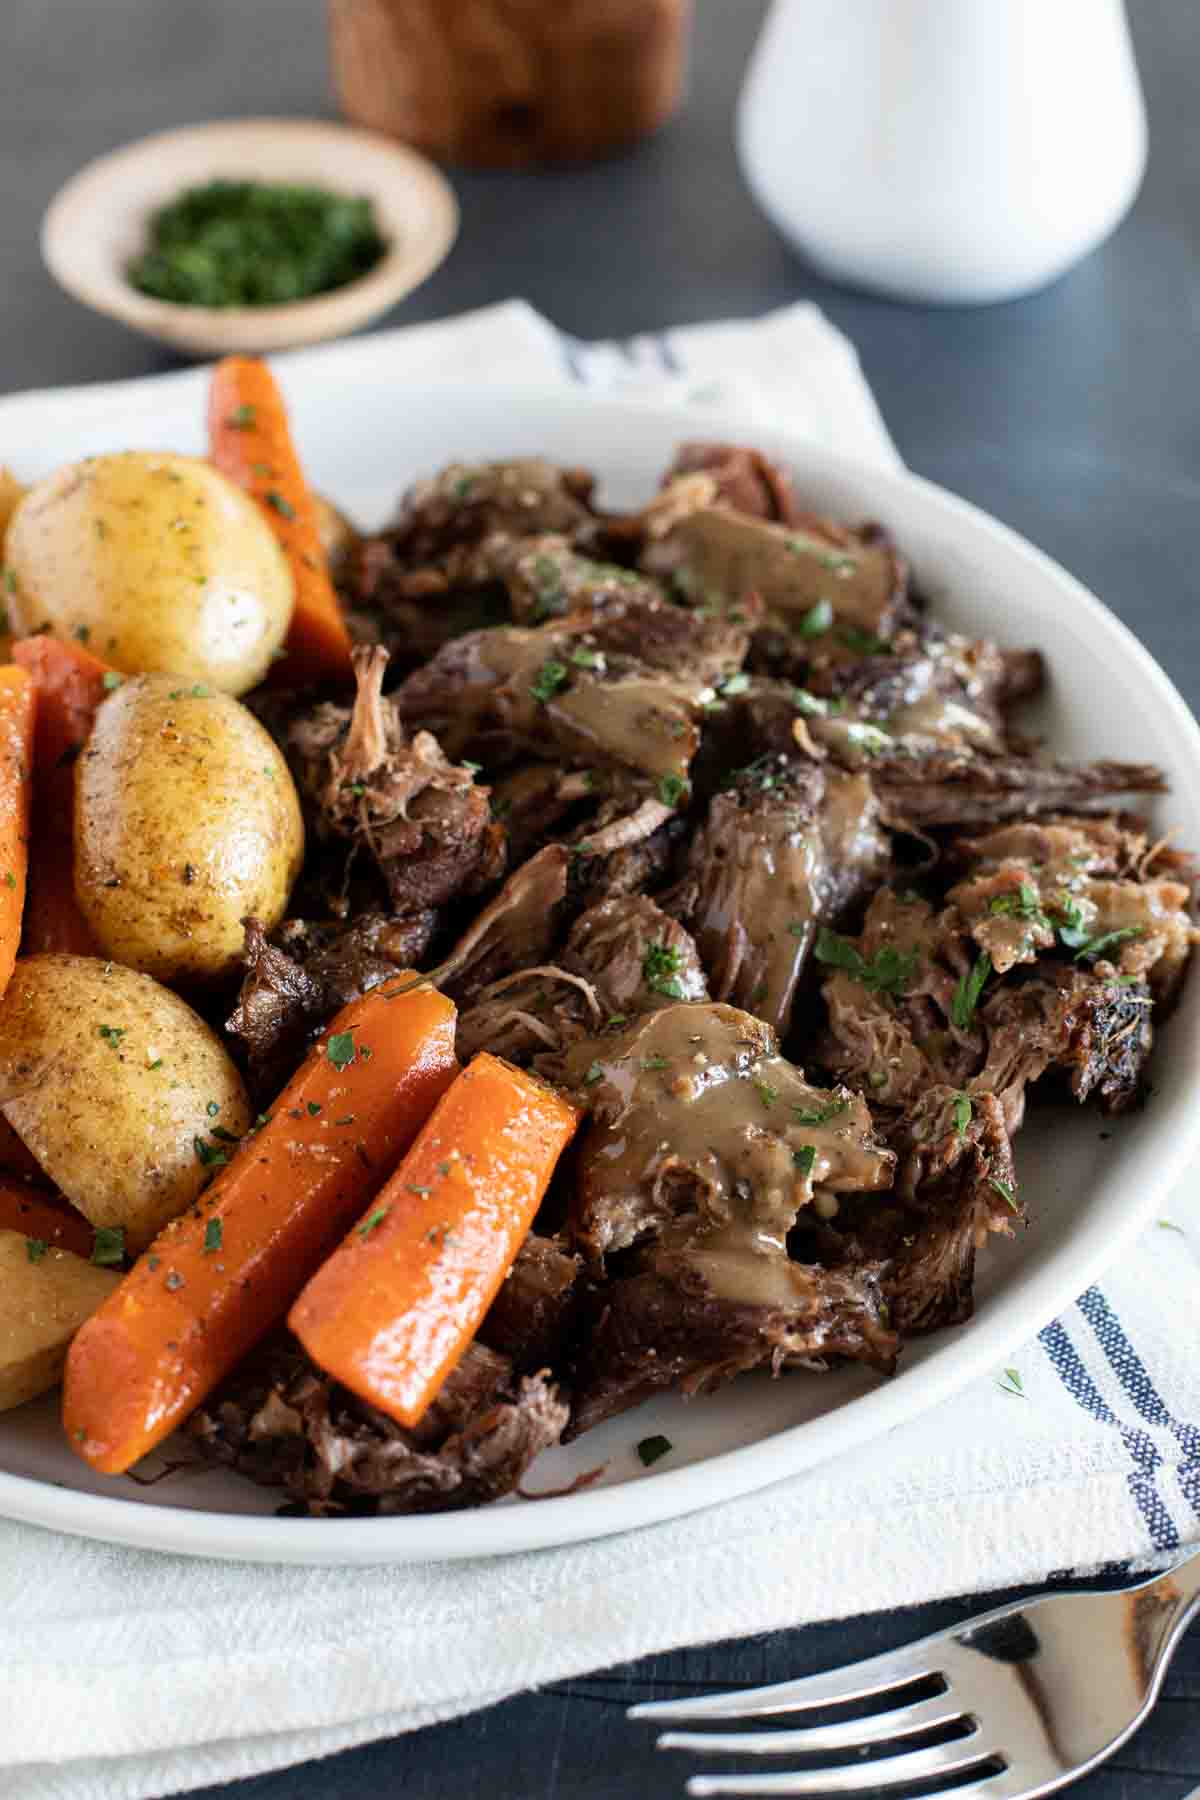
(70, 684)
(18, 711)
(216, 1280)
(44, 1218)
(250, 442)
(392, 1311)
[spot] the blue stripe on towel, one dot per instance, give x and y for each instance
(1145, 1454)
(1131, 1372)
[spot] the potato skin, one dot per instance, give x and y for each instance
(42, 1306)
(110, 1079)
(186, 820)
(156, 562)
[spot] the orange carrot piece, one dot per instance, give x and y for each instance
(250, 442)
(216, 1280)
(44, 1218)
(392, 1311)
(70, 684)
(18, 711)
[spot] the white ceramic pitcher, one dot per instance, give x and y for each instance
(944, 150)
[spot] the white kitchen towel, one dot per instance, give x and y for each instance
(126, 1674)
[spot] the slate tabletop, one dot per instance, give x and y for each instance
(1071, 415)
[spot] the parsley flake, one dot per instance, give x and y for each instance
(373, 1221)
(282, 506)
(112, 1034)
(213, 1233)
(819, 1115)
(340, 1050)
(550, 677)
(1012, 1384)
(890, 971)
(242, 418)
(816, 620)
(804, 1158)
(1096, 946)
(111, 679)
(1005, 1192)
(671, 789)
(35, 1249)
(963, 1113)
(650, 1449)
(594, 1074)
(966, 994)
(660, 969)
(208, 1154)
(109, 1246)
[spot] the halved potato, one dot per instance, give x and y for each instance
(43, 1303)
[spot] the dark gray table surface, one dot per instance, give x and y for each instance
(1072, 415)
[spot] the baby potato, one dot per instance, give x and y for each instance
(186, 820)
(42, 1305)
(156, 562)
(112, 1082)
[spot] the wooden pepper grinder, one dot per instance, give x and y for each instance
(507, 82)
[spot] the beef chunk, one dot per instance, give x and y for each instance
(512, 693)
(693, 1320)
(422, 819)
(284, 1423)
(785, 847)
(698, 1126)
(720, 556)
(952, 787)
(292, 987)
(1092, 1027)
(518, 927)
(547, 578)
(636, 956)
(743, 479)
(466, 503)
(532, 1316)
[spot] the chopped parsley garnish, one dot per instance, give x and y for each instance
(281, 504)
(671, 789)
(422, 1193)
(10, 879)
(1096, 946)
(963, 1112)
(213, 1233)
(889, 972)
(373, 1221)
(35, 1249)
(837, 564)
(340, 1050)
(871, 738)
(650, 1449)
(595, 1073)
(820, 1115)
(314, 1107)
(660, 970)
(865, 643)
(109, 1246)
(112, 1034)
(242, 418)
(655, 1062)
(766, 1093)
(1005, 1192)
(804, 1158)
(208, 1154)
(798, 927)
(812, 706)
(111, 679)
(213, 1108)
(1024, 904)
(549, 679)
(82, 633)
(966, 994)
(816, 620)
(10, 581)
(583, 658)
(733, 684)
(462, 487)
(1163, 1225)
(226, 1137)
(1012, 1384)
(156, 1064)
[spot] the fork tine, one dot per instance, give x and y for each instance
(847, 1734)
(884, 1772)
(873, 1676)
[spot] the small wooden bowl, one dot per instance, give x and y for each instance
(99, 221)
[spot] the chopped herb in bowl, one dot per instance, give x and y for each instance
(246, 243)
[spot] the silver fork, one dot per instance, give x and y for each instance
(1036, 1694)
